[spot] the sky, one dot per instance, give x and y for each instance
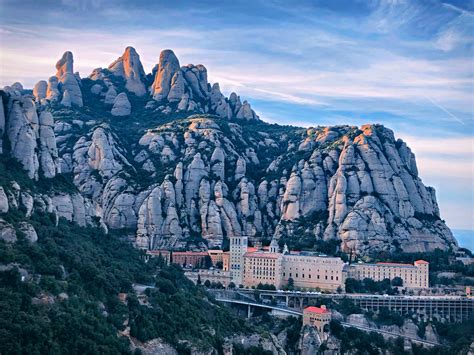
(405, 64)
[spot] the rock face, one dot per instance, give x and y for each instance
(129, 67)
(193, 182)
(187, 89)
(167, 67)
(68, 82)
(2, 125)
(121, 106)
(39, 91)
(32, 138)
(309, 341)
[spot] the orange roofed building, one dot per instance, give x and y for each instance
(196, 259)
(318, 317)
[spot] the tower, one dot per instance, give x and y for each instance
(274, 248)
(238, 247)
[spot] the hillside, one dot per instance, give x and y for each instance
(166, 159)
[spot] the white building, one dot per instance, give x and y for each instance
(413, 276)
(312, 271)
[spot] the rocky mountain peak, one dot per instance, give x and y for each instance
(67, 82)
(65, 65)
(129, 67)
(168, 65)
(181, 168)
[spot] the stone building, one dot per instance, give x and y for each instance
(195, 259)
(318, 317)
(226, 261)
(262, 268)
(413, 276)
(310, 270)
(238, 247)
(216, 256)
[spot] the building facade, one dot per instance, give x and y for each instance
(262, 268)
(311, 271)
(318, 317)
(413, 276)
(226, 261)
(189, 258)
(216, 256)
(238, 247)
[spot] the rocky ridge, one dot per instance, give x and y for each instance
(172, 162)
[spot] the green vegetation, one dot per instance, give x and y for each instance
(354, 341)
(68, 302)
(370, 286)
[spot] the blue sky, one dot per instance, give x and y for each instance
(405, 64)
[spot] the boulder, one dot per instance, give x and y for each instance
(3, 201)
(7, 232)
(110, 96)
(122, 106)
(96, 89)
(29, 231)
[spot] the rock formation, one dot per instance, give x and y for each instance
(129, 67)
(194, 181)
(167, 67)
(121, 106)
(39, 91)
(68, 82)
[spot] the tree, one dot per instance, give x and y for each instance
(291, 283)
(207, 283)
(231, 285)
(207, 262)
(198, 282)
(397, 281)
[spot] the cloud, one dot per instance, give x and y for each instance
(406, 64)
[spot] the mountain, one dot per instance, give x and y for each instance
(166, 159)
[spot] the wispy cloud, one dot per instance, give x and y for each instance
(406, 64)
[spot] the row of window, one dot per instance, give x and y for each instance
(326, 277)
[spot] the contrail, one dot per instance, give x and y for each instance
(443, 109)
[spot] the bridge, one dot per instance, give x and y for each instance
(242, 298)
(450, 308)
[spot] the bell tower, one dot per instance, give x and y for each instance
(238, 247)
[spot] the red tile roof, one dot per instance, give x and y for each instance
(262, 255)
(190, 253)
(393, 264)
(318, 310)
(421, 262)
